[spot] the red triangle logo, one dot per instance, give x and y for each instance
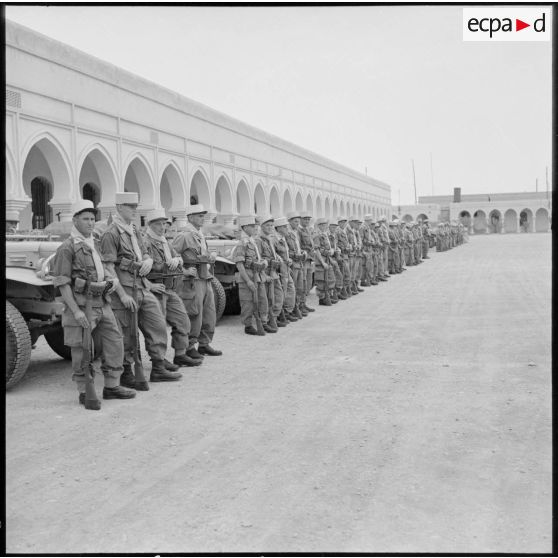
(519, 25)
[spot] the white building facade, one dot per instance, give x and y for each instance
(80, 127)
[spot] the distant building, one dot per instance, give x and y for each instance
(496, 213)
(79, 127)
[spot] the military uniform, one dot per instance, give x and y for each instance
(274, 289)
(307, 246)
(345, 248)
(247, 253)
(336, 264)
(287, 283)
(197, 292)
(74, 260)
(323, 275)
(172, 307)
(297, 270)
(123, 250)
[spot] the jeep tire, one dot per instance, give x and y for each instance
(18, 346)
(220, 298)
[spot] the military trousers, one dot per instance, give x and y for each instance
(418, 251)
(297, 275)
(325, 280)
(307, 272)
(367, 274)
(176, 316)
(275, 296)
(106, 336)
(199, 301)
(287, 284)
(248, 304)
(409, 255)
(385, 256)
(150, 321)
(338, 274)
(424, 247)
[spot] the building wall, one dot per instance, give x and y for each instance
(499, 213)
(416, 212)
(74, 119)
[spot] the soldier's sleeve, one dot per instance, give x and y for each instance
(239, 253)
(62, 265)
(109, 247)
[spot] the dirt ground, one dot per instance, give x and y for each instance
(414, 417)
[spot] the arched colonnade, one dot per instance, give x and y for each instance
(49, 185)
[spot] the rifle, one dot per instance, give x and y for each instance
(141, 382)
(259, 325)
(91, 401)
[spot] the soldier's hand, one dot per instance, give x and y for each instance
(81, 319)
(115, 283)
(212, 257)
(145, 267)
(129, 303)
(174, 263)
(252, 286)
(157, 288)
(190, 272)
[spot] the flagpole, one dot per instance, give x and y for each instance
(414, 180)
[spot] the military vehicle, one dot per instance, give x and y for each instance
(34, 306)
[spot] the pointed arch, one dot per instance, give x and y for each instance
(172, 191)
(223, 196)
(309, 204)
(243, 198)
(319, 209)
(287, 202)
(274, 202)
(327, 208)
(97, 167)
(139, 178)
(260, 201)
(199, 188)
(298, 202)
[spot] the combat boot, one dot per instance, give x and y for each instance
(282, 320)
(327, 299)
(296, 312)
(127, 378)
(90, 404)
(118, 392)
(170, 366)
(308, 308)
(333, 296)
(159, 374)
(291, 317)
(302, 310)
(251, 330)
(185, 360)
(358, 287)
(268, 329)
(341, 294)
(347, 292)
(272, 322)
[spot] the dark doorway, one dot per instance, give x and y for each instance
(41, 193)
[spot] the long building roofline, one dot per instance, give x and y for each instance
(28, 40)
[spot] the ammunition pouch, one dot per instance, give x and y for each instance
(79, 285)
(126, 264)
(97, 288)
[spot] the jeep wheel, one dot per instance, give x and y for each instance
(55, 340)
(220, 298)
(18, 345)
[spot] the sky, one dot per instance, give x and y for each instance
(371, 87)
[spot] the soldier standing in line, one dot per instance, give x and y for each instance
(393, 249)
(408, 240)
(282, 248)
(165, 261)
(379, 251)
(401, 241)
(126, 257)
(336, 262)
(79, 272)
(384, 237)
(357, 249)
(425, 239)
(375, 248)
(266, 245)
(345, 248)
(297, 256)
(251, 278)
(197, 292)
(306, 245)
(323, 253)
(367, 275)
